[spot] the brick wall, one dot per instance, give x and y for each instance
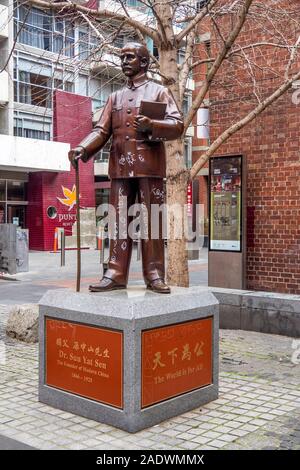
(72, 120)
(271, 145)
(273, 196)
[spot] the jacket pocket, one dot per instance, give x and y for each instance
(117, 116)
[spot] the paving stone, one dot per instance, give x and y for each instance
(212, 434)
(245, 399)
(218, 444)
(201, 439)
(206, 426)
(239, 432)
(189, 445)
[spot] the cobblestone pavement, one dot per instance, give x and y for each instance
(46, 273)
(258, 407)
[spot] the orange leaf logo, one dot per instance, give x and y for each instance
(70, 197)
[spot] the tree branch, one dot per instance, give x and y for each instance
(185, 68)
(217, 64)
(240, 49)
(57, 6)
(105, 44)
(195, 21)
(242, 123)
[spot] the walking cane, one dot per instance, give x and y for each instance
(78, 228)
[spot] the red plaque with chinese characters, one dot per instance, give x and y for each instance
(176, 359)
(85, 360)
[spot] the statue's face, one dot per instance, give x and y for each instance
(131, 63)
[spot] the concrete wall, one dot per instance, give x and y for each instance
(20, 153)
(264, 312)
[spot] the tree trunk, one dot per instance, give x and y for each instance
(177, 174)
(177, 180)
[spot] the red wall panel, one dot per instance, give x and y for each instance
(72, 121)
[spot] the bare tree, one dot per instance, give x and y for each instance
(246, 36)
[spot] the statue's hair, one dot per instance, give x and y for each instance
(141, 51)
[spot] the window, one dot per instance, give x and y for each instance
(37, 30)
(24, 126)
(34, 82)
(87, 42)
(32, 88)
(12, 191)
(2, 190)
(2, 213)
(201, 4)
(187, 103)
(95, 88)
(136, 4)
(16, 190)
(180, 56)
(69, 86)
(188, 153)
(207, 46)
(51, 212)
(103, 155)
(203, 123)
(120, 41)
(43, 30)
(63, 37)
(63, 85)
(155, 52)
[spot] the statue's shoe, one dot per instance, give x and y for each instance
(159, 286)
(106, 285)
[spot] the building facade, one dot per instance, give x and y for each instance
(270, 145)
(53, 88)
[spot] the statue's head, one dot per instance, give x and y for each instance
(134, 59)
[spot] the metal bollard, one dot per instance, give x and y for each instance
(62, 249)
(101, 243)
(138, 249)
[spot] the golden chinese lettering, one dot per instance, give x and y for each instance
(157, 361)
(173, 355)
(198, 349)
(186, 353)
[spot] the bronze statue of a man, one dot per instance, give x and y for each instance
(137, 163)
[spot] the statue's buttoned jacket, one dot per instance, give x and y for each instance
(135, 154)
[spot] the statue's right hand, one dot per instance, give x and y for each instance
(75, 154)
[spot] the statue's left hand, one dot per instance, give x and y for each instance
(142, 124)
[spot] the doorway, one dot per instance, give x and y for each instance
(16, 214)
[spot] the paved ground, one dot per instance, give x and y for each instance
(46, 273)
(258, 408)
(11, 444)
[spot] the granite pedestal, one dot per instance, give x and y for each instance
(130, 358)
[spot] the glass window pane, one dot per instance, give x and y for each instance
(2, 190)
(2, 213)
(16, 190)
(69, 49)
(69, 86)
(58, 44)
(58, 84)
(69, 29)
(58, 25)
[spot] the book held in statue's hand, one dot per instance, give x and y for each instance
(153, 109)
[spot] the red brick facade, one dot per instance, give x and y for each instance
(72, 120)
(271, 145)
